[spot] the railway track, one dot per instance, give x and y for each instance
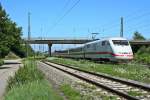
(128, 89)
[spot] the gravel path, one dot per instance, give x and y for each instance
(7, 70)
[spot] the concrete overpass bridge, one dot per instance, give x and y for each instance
(57, 41)
(51, 41)
(140, 42)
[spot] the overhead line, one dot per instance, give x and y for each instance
(128, 26)
(61, 18)
(63, 8)
(141, 26)
(137, 17)
(128, 19)
(66, 4)
(140, 16)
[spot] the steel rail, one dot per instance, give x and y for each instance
(117, 79)
(122, 94)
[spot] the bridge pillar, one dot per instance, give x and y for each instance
(49, 49)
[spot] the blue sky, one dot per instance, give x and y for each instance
(100, 16)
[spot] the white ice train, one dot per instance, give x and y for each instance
(108, 49)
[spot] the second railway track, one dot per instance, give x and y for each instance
(131, 90)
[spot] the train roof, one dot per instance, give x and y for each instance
(98, 40)
(103, 39)
(117, 38)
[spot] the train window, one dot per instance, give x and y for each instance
(120, 42)
(108, 43)
(94, 46)
(88, 46)
(78, 49)
(103, 43)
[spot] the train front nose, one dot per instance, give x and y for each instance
(124, 55)
(122, 50)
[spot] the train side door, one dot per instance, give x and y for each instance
(83, 52)
(87, 51)
(106, 48)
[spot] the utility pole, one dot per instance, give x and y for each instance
(29, 27)
(121, 30)
(29, 34)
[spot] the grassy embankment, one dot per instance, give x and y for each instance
(134, 72)
(11, 55)
(29, 84)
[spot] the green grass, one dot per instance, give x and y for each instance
(70, 93)
(134, 72)
(134, 93)
(29, 84)
(37, 90)
(25, 74)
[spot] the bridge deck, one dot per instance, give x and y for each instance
(62, 41)
(77, 41)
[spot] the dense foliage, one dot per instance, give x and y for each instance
(1, 62)
(143, 55)
(10, 36)
(137, 36)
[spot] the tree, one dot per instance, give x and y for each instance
(10, 36)
(4, 49)
(138, 36)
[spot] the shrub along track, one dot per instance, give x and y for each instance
(125, 88)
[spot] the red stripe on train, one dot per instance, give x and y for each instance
(113, 54)
(129, 55)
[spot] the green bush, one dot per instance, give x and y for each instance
(143, 55)
(25, 74)
(3, 51)
(1, 62)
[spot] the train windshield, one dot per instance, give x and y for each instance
(120, 42)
